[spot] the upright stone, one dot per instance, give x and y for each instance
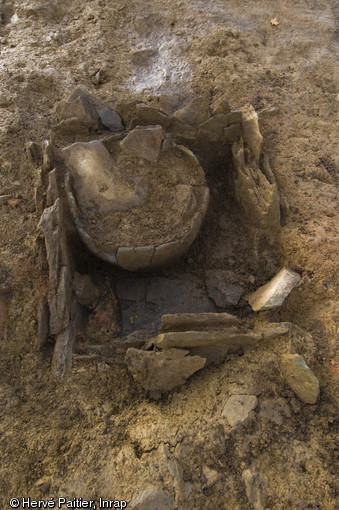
(300, 378)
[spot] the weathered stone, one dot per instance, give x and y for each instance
(152, 498)
(238, 407)
(222, 107)
(162, 371)
(254, 489)
(43, 323)
(196, 321)
(175, 471)
(274, 293)
(144, 141)
(52, 190)
(213, 129)
(230, 337)
(222, 289)
(195, 113)
(251, 131)
(182, 132)
(110, 119)
(300, 378)
(80, 108)
(211, 476)
(35, 152)
(86, 291)
(232, 133)
(257, 192)
(234, 118)
(148, 115)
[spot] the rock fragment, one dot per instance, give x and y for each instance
(110, 119)
(85, 290)
(144, 141)
(196, 321)
(254, 489)
(152, 498)
(274, 293)
(148, 115)
(221, 287)
(195, 113)
(250, 127)
(162, 371)
(300, 378)
(213, 129)
(238, 407)
(80, 108)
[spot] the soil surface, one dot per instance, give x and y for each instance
(98, 434)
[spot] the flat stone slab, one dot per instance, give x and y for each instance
(238, 408)
(144, 141)
(195, 113)
(196, 321)
(300, 378)
(274, 293)
(162, 371)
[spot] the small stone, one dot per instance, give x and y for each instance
(195, 113)
(274, 293)
(35, 152)
(80, 108)
(300, 378)
(85, 290)
(274, 411)
(152, 498)
(162, 371)
(110, 119)
(222, 289)
(238, 407)
(254, 489)
(211, 476)
(144, 142)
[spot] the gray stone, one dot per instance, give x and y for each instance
(175, 471)
(222, 289)
(231, 337)
(110, 119)
(195, 113)
(52, 190)
(211, 476)
(238, 408)
(274, 293)
(148, 115)
(196, 321)
(181, 132)
(144, 141)
(80, 108)
(162, 371)
(152, 498)
(300, 378)
(274, 410)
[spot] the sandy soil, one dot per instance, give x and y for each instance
(98, 435)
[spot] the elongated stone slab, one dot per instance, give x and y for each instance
(196, 321)
(192, 339)
(274, 293)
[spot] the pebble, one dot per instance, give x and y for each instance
(238, 408)
(300, 378)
